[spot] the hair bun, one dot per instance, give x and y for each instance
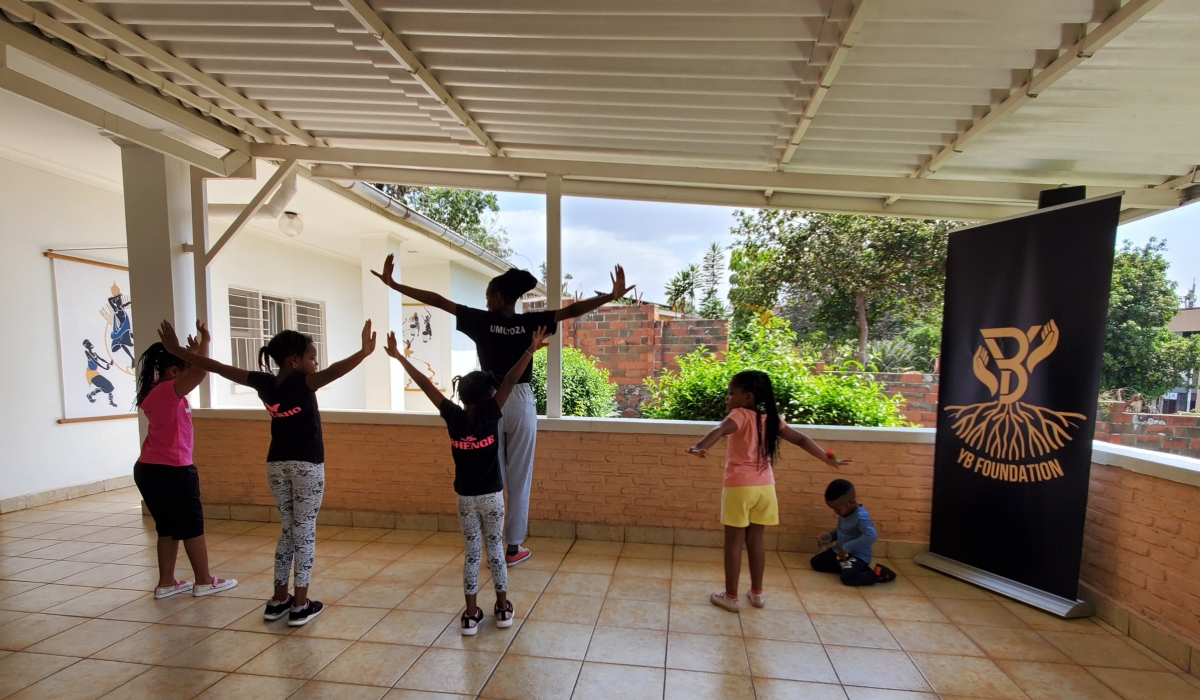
(514, 283)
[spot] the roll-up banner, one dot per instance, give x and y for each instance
(1024, 318)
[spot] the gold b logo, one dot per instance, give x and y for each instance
(1007, 428)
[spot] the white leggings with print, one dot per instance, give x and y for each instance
(482, 519)
(297, 487)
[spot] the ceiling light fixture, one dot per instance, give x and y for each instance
(290, 224)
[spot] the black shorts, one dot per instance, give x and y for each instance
(173, 496)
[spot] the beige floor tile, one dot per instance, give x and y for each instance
(944, 587)
(1039, 620)
(588, 564)
(707, 652)
(450, 671)
(226, 650)
(108, 574)
(532, 678)
(324, 690)
(582, 610)
(558, 640)
(371, 663)
(704, 554)
(442, 539)
(409, 627)
(88, 638)
(901, 586)
(488, 637)
(777, 689)
(109, 553)
(640, 614)
(20, 670)
(33, 628)
(90, 678)
(61, 550)
(9, 589)
(342, 622)
(530, 580)
(253, 622)
(12, 567)
(377, 594)
(368, 534)
(435, 599)
(784, 625)
(629, 647)
(144, 580)
(640, 588)
(164, 683)
(295, 657)
(43, 597)
(404, 572)
(600, 548)
(542, 561)
(856, 693)
(153, 644)
(778, 598)
(357, 569)
(932, 637)
(643, 568)
(692, 685)
(1052, 681)
(844, 630)
(1100, 650)
(411, 537)
(147, 609)
(1014, 644)
(967, 676)
(606, 681)
(388, 551)
(640, 550)
(985, 613)
(238, 686)
(7, 616)
(907, 608)
(877, 668)
(704, 619)
(95, 603)
(422, 553)
(247, 564)
(843, 601)
(1146, 685)
(566, 583)
(797, 661)
(212, 611)
(697, 571)
(693, 592)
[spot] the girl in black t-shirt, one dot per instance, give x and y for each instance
(296, 458)
(475, 444)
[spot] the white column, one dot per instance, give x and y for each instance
(199, 199)
(384, 376)
(554, 292)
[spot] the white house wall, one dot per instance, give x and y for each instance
(466, 287)
(40, 210)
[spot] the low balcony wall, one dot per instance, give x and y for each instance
(633, 480)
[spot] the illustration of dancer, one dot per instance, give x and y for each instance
(94, 364)
(122, 330)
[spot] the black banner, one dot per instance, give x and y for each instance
(1025, 309)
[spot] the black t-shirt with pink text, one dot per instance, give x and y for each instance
(475, 444)
(295, 420)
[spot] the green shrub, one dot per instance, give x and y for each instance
(586, 389)
(697, 390)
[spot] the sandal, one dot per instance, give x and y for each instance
(884, 574)
(470, 623)
(504, 617)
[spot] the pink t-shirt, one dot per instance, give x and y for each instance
(169, 436)
(743, 464)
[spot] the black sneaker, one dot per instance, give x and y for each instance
(301, 617)
(275, 610)
(884, 574)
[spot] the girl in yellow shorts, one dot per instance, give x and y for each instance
(748, 502)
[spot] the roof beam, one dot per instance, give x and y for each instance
(1093, 41)
(251, 209)
(379, 29)
(167, 60)
(846, 42)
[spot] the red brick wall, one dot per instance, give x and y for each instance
(1173, 433)
(920, 393)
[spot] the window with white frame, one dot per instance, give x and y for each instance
(254, 317)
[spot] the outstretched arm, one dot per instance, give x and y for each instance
(166, 333)
(421, 295)
(431, 391)
(198, 345)
(514, 373)
(725, 427)
(806, 443)
(584, 306)
(339, 369)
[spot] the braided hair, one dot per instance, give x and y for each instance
(474, 388)
(281, 347)
(759, 384)
(152, 366)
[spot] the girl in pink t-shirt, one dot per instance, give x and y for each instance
(748, 502)
(164, 472)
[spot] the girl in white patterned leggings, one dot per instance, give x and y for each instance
(475, 445)
(296, 458)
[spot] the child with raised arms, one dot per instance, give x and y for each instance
(296, 457)
(475, 445)
(748, 502)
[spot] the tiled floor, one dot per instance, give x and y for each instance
(595, 620)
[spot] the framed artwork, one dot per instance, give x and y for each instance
(422, 338)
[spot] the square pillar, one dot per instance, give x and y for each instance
(554, 293)
(384, 379)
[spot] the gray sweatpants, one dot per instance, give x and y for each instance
(518, 436)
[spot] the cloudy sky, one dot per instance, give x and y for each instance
(654, 240)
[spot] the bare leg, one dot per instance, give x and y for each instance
(758, 555)
(197, 554)
(471, 606)
(281, 593)
(301, 596)
(168, 551)
(734, 538)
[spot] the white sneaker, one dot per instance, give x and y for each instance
(217, 585)
(757, 599)
(168, 591)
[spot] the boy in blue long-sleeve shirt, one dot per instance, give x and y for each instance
(850, 555)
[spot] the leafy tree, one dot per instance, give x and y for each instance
(586, 390)
(1139, 352)
(681, 290)
(712, 270)
(469, 212)
(844, 271)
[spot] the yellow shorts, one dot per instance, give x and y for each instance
(743, 505)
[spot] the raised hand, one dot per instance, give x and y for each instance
(697, 450)
(166, 334)
(619, 289)
(540, 339)
(389, 267)
(393, 348)
(368, 338)
(197, 343)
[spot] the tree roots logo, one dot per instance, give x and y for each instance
(1007, 429)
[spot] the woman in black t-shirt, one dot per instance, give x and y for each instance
(475, 444)
(501, 337)
(296, 458)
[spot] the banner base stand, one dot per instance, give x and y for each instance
(1055, 605)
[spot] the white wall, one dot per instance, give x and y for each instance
(466, 287)
(255, 261)
(38, 211)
